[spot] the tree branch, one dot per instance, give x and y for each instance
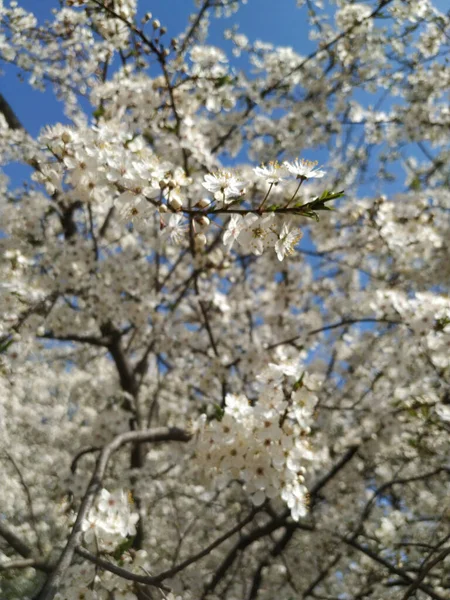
(14, 541)
(392, 568)
(10, 116)
(162, 434)
(157, 579)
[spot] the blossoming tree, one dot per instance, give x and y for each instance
(224, 369)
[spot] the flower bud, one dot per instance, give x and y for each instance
(175, 204)
(162, 208)
(203, 221)
(203, 203)
(200, 241)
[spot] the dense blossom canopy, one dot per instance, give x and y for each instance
(224, 367)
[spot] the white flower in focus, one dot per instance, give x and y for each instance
(257, 234)
(288, 239)
(224, 185)
(273, 173)
(110, 521)
(304, 169)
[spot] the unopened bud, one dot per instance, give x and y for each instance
(66, 137)
(203, 221)
(156, 24)
(175, 204)
(200, 241)
(163, 208)
(203, 203)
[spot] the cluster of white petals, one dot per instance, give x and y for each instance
(255, 234)
(164, 256)
(110, 521)
(264, 443)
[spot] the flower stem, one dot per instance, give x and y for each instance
(296, 192)
(265, 197)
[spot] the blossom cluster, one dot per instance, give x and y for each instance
(103, 162)
(255, 234)
(427, 315)
(121, 308)
(227, 186)
(110, 521)
(264, 443)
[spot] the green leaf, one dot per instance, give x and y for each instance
(425, 410)
(221, 81)
(327, 196)
(123, 547)
(299, 383)
(310, 214)
(5, 344)
(218, 412)
(321, 206)
(441, 324)
(416, 184)
(99, 112)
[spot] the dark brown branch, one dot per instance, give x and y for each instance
(342, 323)
(73, 337)
(194, 26)
(276, 523)
(277, 549)
(392, 568)
(14, 541)
(26, 489)
(321, 576)
(424, 572)
(334, 471)
(10, 116)
(106, 565)
(391, 483)
(80, 453)
(127, 377)
(65, 212)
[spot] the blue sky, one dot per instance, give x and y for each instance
(279, 22)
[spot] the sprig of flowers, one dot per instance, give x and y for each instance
(264, 444)
(110, 521)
